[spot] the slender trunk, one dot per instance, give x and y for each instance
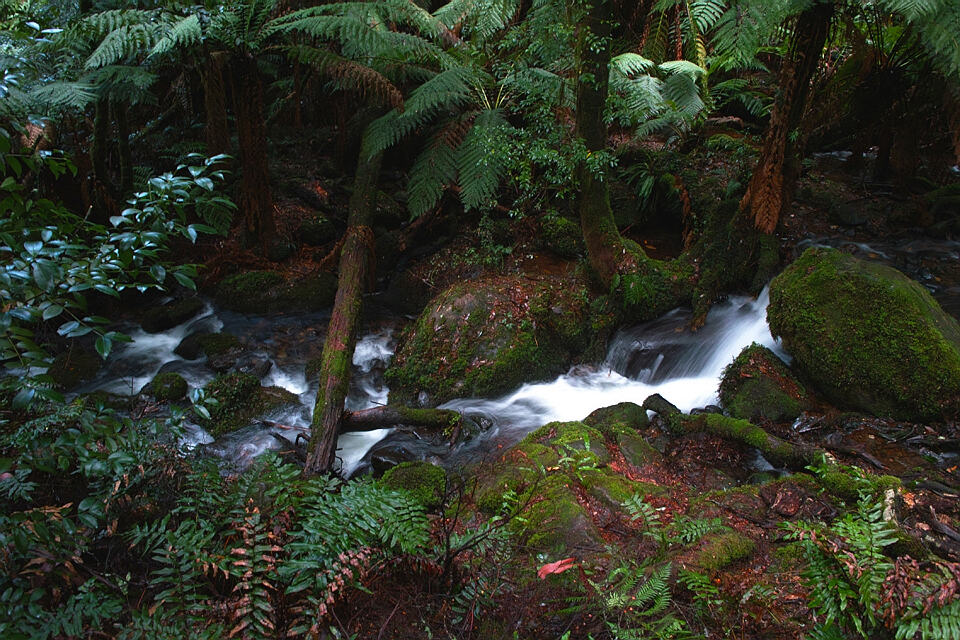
(256, 203)
(604, 244)
(356, 262)
(123, 151)
(764, 197)
(215, 105)
(99, 146)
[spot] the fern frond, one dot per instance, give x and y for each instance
(631, 64)
(183, 34)
(480, 159)
(434, 169)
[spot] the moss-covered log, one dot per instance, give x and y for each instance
(392, 416)
(356, 262)
(777, 451)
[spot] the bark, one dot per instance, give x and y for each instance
(256, 203)
(123, 150)
(215, 105)
(356, 263)
(392, 416)
(99, 146)
(605, 247)
(764, 198)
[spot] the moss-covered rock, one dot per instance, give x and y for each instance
(269, 291)
(168, 386)
(758, 385)
(868, 336)
(240, 399)
(73, 367)
(484, 338)
(623, 415)
(721, 550)
(425, 481)
(562, 236)
(555, 519)
(208, 344)
(317, 231)
(164, 317)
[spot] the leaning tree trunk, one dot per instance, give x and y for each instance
(605, 247)
(256, 203)
(356, 262)
(764, 198)
(215, 104)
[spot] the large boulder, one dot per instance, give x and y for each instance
(270, 291)
(868, 336)
(487, 337)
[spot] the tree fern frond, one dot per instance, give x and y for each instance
(631, 64)
(63, 95)
(434, 168)
(183, 34)
(350, 74)
(480, 159)
(122, 44)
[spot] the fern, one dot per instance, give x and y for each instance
(480, 159)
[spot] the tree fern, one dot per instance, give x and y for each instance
(480, 159)
(480, 18)
(434, 169)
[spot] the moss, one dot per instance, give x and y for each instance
(240, 399)
(168, 386)
(847, 482)
(74, 367)
(758, 385)
(485, 338)
(570, 437)
(613, 489)
(868, 336)
(610, 419)
(269, 291)
(425, 481)
(170, 315)
(554, 519)
(721, 550)
(561, 236)
(636, 450)
(210, 344)
(787, 558)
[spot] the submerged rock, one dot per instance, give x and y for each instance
(487, 337)
(868, 336)
(758, 385)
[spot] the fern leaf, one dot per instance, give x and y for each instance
(480, 162)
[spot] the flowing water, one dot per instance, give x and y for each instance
(662, 356)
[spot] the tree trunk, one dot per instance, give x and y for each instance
(123, 151)
(356, 261)
(256, 203)
(764, 198)
(215, 105)
(604, 245)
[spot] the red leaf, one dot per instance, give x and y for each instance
(555, 567)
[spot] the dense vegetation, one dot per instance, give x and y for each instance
(517, 180)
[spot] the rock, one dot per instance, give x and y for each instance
(426, 482)
(562, 236)
(240, 399)
(758, 385)
(867, 336)
(269, 291)
(630, 415)
(75, 366)
(168, 386)
(660, 405)
(317, 231)
(487, 337)
(165, 317)
(848, 215)
(723, 549)
(199, 344)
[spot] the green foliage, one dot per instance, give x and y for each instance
(53, 258)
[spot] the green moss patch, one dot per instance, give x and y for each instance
(168, 386)
(721, 550)
(487, 337)
(240, 399)
(868, 336)
(562, 236)
(425, 481)
(269, 291)
(209, 344)
(758, 385)
(626, 415)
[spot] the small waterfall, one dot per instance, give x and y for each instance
(662, 356)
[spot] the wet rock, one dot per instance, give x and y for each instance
(867, 336)
(168, 386)
(710, 408)
(165, 317)
(758, 385)
(269, 291)
(630, 415)
(389, 453)
(235, 361)
(74, 367)
(240, 399)
(199, 344)
(660, 405)
(487, 337)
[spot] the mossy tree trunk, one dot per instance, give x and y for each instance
(356, 263)
(765, 195)
(605, 247)
(256, 203)
(215, 104)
